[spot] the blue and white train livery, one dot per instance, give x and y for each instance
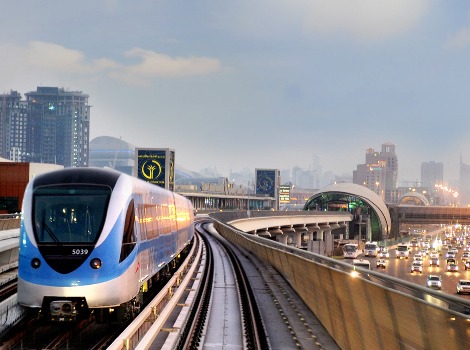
(93, 238)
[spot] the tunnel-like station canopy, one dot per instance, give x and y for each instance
(413, 198)
(365, 205)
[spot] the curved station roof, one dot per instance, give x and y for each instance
(350, 193)
(413, 198)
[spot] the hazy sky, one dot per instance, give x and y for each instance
(256, 83)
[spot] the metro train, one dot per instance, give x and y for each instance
(94, 239)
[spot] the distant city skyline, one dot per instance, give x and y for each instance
(268, 84)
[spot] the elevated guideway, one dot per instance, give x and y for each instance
(305, 226)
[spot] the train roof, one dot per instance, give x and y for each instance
(100, 176)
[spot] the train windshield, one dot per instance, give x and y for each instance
(69, 214)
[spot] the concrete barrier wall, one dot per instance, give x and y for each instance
(357, 313)
(9, 224)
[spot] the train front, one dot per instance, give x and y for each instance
(69, 257)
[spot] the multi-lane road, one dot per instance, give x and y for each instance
(401, 268)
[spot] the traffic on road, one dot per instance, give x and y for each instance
(440, 261)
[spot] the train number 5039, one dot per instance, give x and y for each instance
(79, 251)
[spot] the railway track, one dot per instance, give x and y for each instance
(252, 331)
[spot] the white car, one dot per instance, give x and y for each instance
(384, 254)
(381, 263)
(434, 281)
(402, 251)
(416, 266)
(450, 255)
(463, 286)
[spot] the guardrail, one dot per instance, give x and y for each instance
(144, 329)
(358, 312)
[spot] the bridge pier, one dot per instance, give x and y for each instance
(282, 239)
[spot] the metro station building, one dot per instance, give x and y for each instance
(371, 217)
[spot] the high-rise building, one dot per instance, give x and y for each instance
(432, 175)
(379, 173)
(305, 178)
(13, 117)
(464, 191)
(58, 127)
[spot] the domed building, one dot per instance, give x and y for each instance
(368, 209)
(107, 151)
(111, 152)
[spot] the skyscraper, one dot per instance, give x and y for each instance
(464, 191)
(432, 174)
(379, 173)
(13, 117)
(58, 127)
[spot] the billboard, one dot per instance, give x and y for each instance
(266, 180)
(157, 166)
(284, 194)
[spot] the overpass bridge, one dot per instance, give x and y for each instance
(403, 215)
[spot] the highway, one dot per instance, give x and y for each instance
(401, 268)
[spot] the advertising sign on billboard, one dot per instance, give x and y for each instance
(266, 182)
(156, 166)
(284, 194)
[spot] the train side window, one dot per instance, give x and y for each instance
(129, 237)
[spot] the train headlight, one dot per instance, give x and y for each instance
(35, 263)
(95, 263)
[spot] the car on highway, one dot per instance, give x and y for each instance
(463, 286)
(381, 263)
(450, 255)
(402, 251)
(434, 281)
(384, 254)
(362, 263)
(453, 250)
(465, 256)
(434, 261)
(434, 255)
(418, 259)
(467, 264)
(452, 267)
(416, 267)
